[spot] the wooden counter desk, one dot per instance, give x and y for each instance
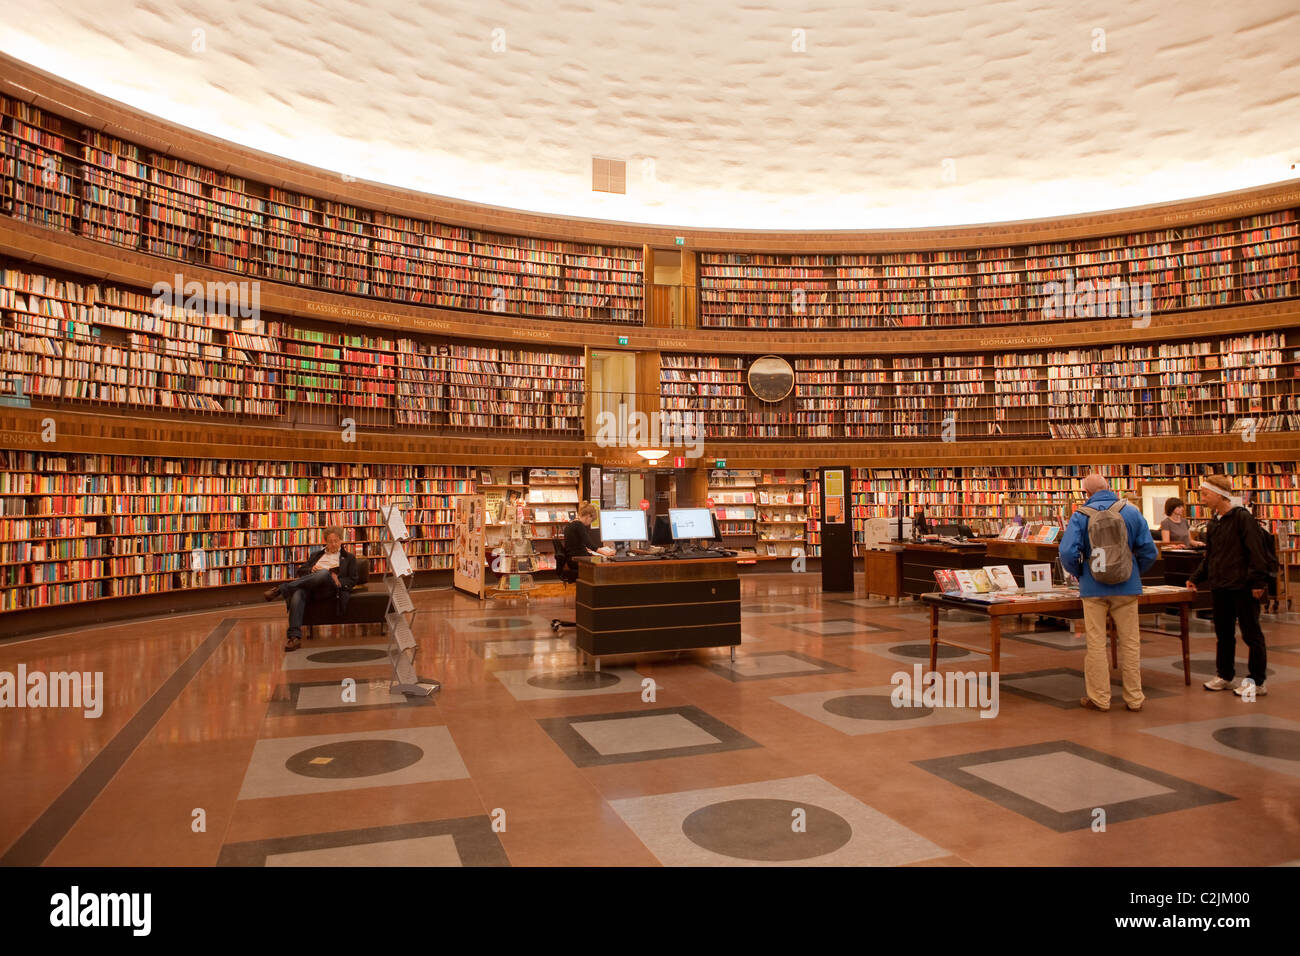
(922, 559)
(631, 607)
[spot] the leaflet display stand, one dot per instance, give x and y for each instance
(400, 614)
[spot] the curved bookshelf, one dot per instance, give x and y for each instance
(64, 175)
(457, 335)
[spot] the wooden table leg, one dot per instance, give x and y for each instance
(934, 637)
(1184, 636)
(995, 643)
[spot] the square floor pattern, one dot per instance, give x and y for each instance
(790, 822)
(599, 739)
(870, 710)
(1060, 783)
(287, 766)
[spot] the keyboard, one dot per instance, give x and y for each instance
(703, 554)
(633, 557)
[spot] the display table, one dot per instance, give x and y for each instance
(1064, 606)
(631, 607)
(920, 561)
(883, 570)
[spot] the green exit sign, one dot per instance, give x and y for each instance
(722, 463)
(681, 240)
(622, 340)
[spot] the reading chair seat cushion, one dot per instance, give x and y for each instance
(366, 605)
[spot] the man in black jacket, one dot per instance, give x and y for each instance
(328, 572)
(1237, 567)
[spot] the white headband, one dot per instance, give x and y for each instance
(1236, 502)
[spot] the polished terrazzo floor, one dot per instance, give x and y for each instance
(216, 747)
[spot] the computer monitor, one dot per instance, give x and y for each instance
(690, 523)
(955, 531)
(662, 535)
(622, 526)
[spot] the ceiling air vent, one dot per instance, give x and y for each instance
(608, 176)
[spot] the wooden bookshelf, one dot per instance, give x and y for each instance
(1231, 385)
(987, 497)
(77, 528)
(64, 176)
(734, 493)
(85, 342)
(553, 501)
(1205, 265)
(782, 512)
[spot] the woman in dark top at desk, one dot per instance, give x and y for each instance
(1175, 529)
(579, 541)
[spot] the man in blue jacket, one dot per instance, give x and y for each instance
(1120, 601)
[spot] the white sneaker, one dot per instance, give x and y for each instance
(1259, 689)
(1218, 683)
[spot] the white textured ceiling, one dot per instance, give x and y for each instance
(903, 113)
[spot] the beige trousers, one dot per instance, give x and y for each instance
(1123, 610)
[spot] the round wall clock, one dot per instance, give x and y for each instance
(771, 378)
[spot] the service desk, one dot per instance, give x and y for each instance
(1016, 554)
(920, 561)
(1179, 563)
(631, 607)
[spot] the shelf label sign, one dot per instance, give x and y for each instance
(679, 462)
(834, 497)
(722, 463)
(622, 340)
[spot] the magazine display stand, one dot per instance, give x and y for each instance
(400, 614)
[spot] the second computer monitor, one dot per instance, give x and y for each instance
(690, 523)
(623, 526)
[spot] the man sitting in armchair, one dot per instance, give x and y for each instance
(330, 571)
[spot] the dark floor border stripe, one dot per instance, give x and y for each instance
(45, 833)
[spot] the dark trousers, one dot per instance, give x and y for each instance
(297, 593)
(1233, 607)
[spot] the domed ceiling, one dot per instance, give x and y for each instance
(759, 114)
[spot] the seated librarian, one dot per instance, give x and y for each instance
(1175, 530)
(328, 572)
(579, 540)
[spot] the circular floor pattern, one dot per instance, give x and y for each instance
(768, 608)
(872, 707)
(501, 623)
(347, 655)
(346, 759)
(762, 829)
(922, 651)
(1205, 666)
(1265, 741)
(574, 680)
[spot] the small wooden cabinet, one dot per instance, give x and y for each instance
(884, 572)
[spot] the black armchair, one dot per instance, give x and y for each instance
(567, 571)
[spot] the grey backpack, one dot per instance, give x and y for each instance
(1110, 558)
